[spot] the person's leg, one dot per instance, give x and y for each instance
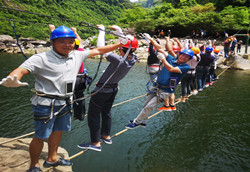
(171, 99)
(35, 149)
(192, 82)
(150, 103)
(184, 85)
(199, 78)
(53, 144)
(166, 102)
(107, 117)
(96, 105)
(205, 78)
(166, 106)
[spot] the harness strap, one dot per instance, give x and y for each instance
(54, 98)
(107, 85)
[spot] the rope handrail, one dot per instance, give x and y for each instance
(31, 133)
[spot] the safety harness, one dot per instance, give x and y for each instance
(52, 114)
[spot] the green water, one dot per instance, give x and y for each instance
(210, 132)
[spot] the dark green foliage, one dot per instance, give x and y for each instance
(180, 16)
(94, 12)
(186, 16)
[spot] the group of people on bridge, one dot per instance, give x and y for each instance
(60, 80)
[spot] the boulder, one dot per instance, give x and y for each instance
(6, 38)
(237, 62)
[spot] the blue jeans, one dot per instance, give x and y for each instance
(42, 130)
(226, 51)
(202, 74)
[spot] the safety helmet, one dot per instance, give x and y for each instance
(196, 50)
(134, 43)
(176, 48)
(209, 49)
(187, 52)
(217, 50)
(62, 32)
(77, 42)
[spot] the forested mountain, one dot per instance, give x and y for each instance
(182, 17)
(35, 26)
(179, 16)
(220, 4)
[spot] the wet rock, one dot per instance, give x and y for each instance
(237, 62)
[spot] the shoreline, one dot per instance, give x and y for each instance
(15, 156)
(30, 47)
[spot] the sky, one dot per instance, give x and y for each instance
(133, 0)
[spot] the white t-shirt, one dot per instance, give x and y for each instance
(52, 72)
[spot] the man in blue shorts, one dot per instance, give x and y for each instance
(55, 74)
(173, 70)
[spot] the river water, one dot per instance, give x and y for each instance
(210, 132)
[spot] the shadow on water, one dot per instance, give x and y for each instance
(210, 132)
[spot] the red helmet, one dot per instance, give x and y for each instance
(176, 48)
(134, 43)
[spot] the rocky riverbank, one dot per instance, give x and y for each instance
(15, 156)
(31, 46)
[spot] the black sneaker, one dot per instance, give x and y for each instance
(107, 141)
(62, 162)
(90, 146)
(133, 125)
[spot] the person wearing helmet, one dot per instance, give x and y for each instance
(173, 70)
(188, 85)
(233, 45)
(203, 67)
(55, 74)
(82, 80)
(213, 75)
(106, 89)
(191, 74)
(172, 50)
(227, 43)
(239, 46)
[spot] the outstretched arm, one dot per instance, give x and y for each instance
(13, 80)
(155, 44)
(108, 48)
(168, 66)
(178, 42)
(162, 55)
(168, 47)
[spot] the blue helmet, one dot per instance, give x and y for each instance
(187, 52)
(209, 49)
(62, 32)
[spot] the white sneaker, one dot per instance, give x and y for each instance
(194, 92)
